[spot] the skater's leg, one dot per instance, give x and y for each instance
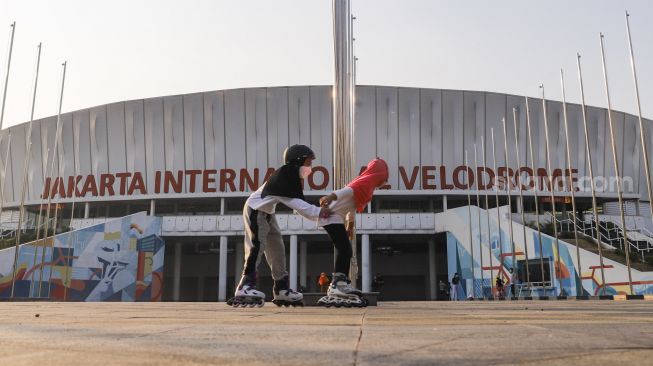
(275, 250)
(256, 229)
(275, 254)
(340, 291)
(342, 247)
(246, 293)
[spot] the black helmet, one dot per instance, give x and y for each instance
(297, 154)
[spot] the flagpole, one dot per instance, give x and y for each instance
(25, 173)
(57, 136)
(508, 190)
(70, 238)
(480, 232)
(2, 116)
(616, 167)
(496, 192)
(639, 115)
(537, 204)
(521, 193)
(489, 233)
(6, 84)
(579, 285)
(591, 171)
(469, 217)
(551, 189)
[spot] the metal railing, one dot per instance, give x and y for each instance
(610, 236)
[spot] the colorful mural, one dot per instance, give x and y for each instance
(568, 278)
(121, 260)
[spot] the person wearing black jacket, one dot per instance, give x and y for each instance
(262, 234)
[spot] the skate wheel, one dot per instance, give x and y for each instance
(286, 305)
(260, 305)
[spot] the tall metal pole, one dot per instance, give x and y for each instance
(617, 172)
(639, 115)
(49, 173)
(38, 225)
(4, 174)
(353, 267)
(4, 92)
(521, 194)
(57, 136)
(469, 217)
(54, 233)
(25, 173)
(537, 204)
(551, 189)
(480, 232)
(508, 189)
(579, 285)
(2, 115)
(489, 233)
(344, 159)
(70, 237)
(591, 171)
(496, 192)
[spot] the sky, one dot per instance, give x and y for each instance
(127, 49)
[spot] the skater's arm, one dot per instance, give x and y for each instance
(326, 200)
(304, 208)
(335, 196)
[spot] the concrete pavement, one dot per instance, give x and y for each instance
(419, 333)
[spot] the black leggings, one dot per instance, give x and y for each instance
(341, 245)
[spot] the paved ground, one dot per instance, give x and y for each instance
(465, 333)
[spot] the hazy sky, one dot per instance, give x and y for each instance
(120, 50)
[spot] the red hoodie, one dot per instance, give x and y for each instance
(363, 186)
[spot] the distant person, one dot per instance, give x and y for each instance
(514, 281)
(444, 289)
(324, 282)
(500, 287)
(455, 287)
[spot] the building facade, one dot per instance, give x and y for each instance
(193, 159)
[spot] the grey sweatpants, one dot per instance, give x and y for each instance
(263, 236)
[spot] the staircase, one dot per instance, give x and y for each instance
(640, 241)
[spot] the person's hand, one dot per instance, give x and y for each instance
(326, 200)
(325, 212)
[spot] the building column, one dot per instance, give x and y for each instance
(222, 270)
(366, 276)
(176, 272)
(87, 209)
(239, 262)
(293, 261)
(444, 203)
(302, 264)
(432, 270)
(152, 207)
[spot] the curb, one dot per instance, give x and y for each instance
(570, 298)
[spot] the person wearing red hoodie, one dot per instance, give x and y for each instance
(343, 205)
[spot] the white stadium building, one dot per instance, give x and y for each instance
(193, 159)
